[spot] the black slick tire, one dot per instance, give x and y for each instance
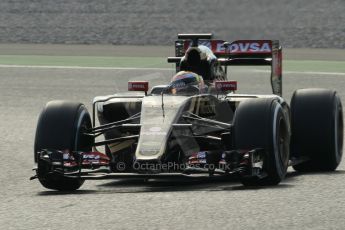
(61, 126)
(263, 123)
(317, 129)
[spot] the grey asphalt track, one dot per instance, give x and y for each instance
(301, 201)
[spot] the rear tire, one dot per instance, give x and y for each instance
(60, 127)
(317, 129)
(263, 123)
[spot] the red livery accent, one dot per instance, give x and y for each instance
(226, 85)
(279, 67)
(95, 159)
(138, 86)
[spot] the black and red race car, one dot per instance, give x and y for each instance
(168, 132)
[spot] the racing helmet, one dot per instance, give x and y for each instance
(185, 82)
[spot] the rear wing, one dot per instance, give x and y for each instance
(237, 53)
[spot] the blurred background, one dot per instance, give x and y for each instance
(296, 23)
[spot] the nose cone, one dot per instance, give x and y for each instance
(156, 125)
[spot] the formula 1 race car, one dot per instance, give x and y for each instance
(194, 126)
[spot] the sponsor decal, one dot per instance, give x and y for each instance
(236, 47)
(226, 85)
(138, 86)
(151, 143)
(197, 158)
(95, 158)
(148, 151)
(91, 157)
(201, 155)
(250, 47)
(197, 161)
(88, 158)
(242, 47)
(150, 133)
(155, 129)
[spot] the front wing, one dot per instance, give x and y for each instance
(97, 166)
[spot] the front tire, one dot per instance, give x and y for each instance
(61, 126)
(263, 123)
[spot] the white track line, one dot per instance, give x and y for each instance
(161, 69)
(314, 73)
(304, 72)
(80, 67)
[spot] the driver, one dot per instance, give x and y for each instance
(185, 82)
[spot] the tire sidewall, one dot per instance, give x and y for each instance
(74, 119)
(257, 124)
(278, 159)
